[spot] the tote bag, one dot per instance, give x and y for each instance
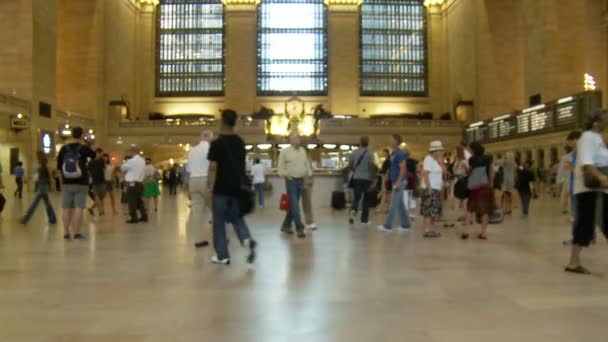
(478, 178)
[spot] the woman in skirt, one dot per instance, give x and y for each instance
(481, 194)
(432, 184)
(151, 187)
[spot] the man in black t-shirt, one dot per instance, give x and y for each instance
(97, 168)
(226, 171)
(72, 162)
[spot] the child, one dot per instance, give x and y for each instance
(525, 178)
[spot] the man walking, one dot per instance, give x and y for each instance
(225, 177)
(399, 180)
(360, 161)
(294, 167)
(72, 162)
(198, 167)
(133, 169)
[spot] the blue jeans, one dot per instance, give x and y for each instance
(42, 194)
(397, 205)
(361, 192)
(294, 186)
(525, 202)
(259, 189)
(227, 209)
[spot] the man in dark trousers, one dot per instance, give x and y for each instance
(134, 177)
(226, 171)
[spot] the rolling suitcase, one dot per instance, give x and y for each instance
(338, 200)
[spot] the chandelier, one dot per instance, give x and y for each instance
(149, 2)
(430, 3)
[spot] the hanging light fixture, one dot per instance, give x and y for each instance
(589, 83)
(431, 3)
(241, 2)
(149, 2)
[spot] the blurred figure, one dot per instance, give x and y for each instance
(97, 168)
(19, 174)
(481, 194)
(360, 162)
(258, 171)
(509, 170)
(309, 219)
(198, 165)
(109, 181)
(525, 182)
(432, 185)
(173, 179)
(44, 187)
(133, 170)
(386, 182)
(399, 182)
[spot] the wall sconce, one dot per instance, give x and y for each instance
(19, 122)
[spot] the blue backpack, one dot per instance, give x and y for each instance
(71, 162)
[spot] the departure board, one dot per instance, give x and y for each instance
(565, 114)
(507, 128)
(523, 123)
(541, 119)
(554, 116)
(493, 129)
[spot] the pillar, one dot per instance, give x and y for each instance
(241, 49)
(343, 59)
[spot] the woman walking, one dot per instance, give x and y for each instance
(44, 187)
(432, 185)
(258, 171)
(151, 187)
(509, 169)
(481, 195)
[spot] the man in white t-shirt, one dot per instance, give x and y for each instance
(258, 171)
(198, 169)
(591, 153)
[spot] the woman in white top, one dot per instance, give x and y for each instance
(109, 180)
(432, 183)
(589, 183)
(258, 171)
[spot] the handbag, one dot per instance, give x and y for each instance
(591, 181)
(284, 202)
(478, 178)
(461, 190)
(352, 176)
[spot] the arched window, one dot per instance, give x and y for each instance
(393, 48)
(292, 47)
(190, 48)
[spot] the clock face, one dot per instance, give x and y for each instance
(294, 107)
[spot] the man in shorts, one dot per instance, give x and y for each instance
(97, 168)
(72, 162)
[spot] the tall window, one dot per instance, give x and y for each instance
(393, 48)
(292, 47)
(190, 48)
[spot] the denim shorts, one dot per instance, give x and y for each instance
(74, 196)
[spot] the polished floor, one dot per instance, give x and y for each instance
(148, 283)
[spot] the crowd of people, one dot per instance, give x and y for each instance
(482, 189)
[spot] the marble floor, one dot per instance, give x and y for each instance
(148, 283)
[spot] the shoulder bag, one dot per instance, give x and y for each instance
(352, 176)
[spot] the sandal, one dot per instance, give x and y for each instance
(431, 235)
(464, 236)
(578, 270)
(482, 237)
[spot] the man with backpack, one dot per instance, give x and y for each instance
(72, 162)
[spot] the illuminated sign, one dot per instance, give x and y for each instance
(47, 142)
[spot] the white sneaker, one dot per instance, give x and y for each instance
(384, 229)
(366, 223)
(404, 230)
(312, 226)
(216, 260)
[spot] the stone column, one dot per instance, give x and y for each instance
(343, 59)
(241, 51)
